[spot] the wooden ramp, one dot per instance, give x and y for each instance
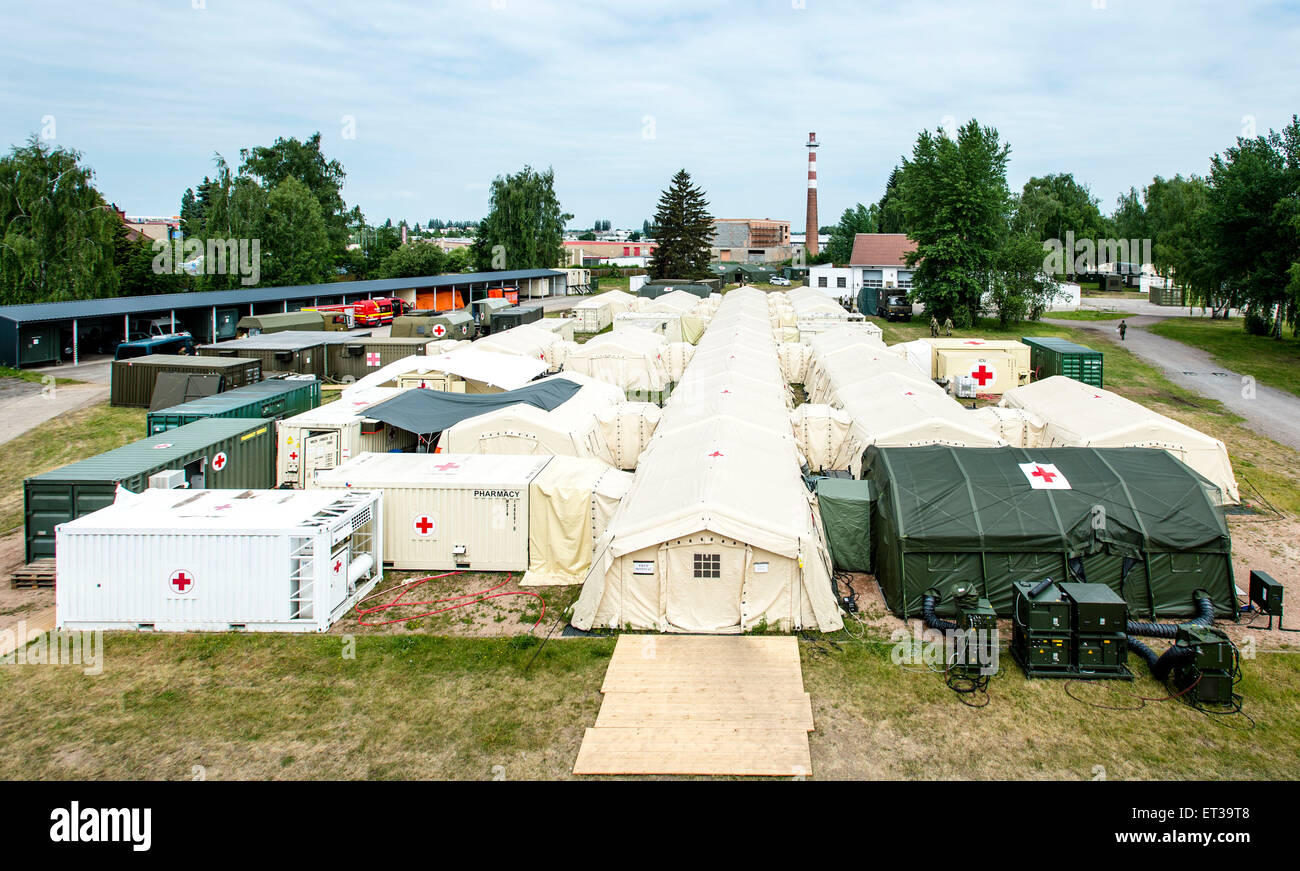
(701, 704)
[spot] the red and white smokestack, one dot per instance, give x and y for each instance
(810, 236)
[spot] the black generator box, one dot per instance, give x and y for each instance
(1096, 609)
(1214, 652)
(1049, 611)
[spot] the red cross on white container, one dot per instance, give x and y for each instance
(181, 581)
(439, 330)
(219, 461)
(372, 358)
(424, 525)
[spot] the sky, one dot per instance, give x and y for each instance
(424, 103)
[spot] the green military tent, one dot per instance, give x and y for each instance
(1135, 519)
(845, 507)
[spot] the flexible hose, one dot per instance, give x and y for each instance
(933, 620)
(1204, 617)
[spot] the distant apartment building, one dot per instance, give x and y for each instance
(746, 240)
(589, 253)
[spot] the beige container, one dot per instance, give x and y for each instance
(993, 371)
(447, 511)
(332, 434)
(1018, 351)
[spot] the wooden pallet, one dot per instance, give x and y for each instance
(39, 573)
(701, 705)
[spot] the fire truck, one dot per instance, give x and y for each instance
(376, 312)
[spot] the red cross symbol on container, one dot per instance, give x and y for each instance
(973, 342)
(983, 375)
(423, 525)
(181, 581)
(219, 461)
(372, 359)
(1040, 472)
(338, 564)
(293, 455)
(439, 330)
(443, 467)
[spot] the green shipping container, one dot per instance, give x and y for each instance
(1050, 356)
(273, 400)
(296, 352)
(38, 343)
(213, 453)
(132, 381)
(348, 361)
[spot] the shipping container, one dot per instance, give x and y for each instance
(256, 325)
(274, 399)
(457, 324)
(977, 348)
(38, 343)
(295, 352)
(992, 372)
(1050, 356)
(448, 511)
(333, 434)
(219, 560)
(348, 361)
(515, 316)
(132, 381)
(213, 452)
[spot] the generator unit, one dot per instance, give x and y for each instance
(1266, 595)
(1207, 673)
(977, 639)
(1100, 617)
(1042, 636)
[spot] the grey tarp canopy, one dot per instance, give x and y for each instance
(176, 388)
(1135, 519)
(845, 507)
(430, 411)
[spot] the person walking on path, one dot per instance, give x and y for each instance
(947, 326)
(1123, 328)
(934, 327)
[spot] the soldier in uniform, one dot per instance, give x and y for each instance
(947, 326)
(934, 327)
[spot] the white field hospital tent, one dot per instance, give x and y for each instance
(627, 429)
(1077, 414)
(718, 532)
(524, 340)
(472, 371)
(1020, 428)
(597, 312)
(570, 504)
(632, 360)
(571, 429)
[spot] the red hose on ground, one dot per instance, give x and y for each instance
(482, 596)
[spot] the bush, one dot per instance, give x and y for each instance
(1258, 324)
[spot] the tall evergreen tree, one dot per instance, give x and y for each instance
(683, 231)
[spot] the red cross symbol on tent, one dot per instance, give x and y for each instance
(908, 393)
(726, 391)
(423, 525)
(181, 581)
(443, 467)
(1044, 476)
(973, 342)
(983, 375)
(439, 330)
(1040, 472)
(372, 358)
(219, 461)
(716, 454)
(225, 507)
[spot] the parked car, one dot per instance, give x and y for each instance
(780, 280)
(172, 344)
(891, 307)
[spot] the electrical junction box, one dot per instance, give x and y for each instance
(1049, 653)
(1101, 653)
(1096, 608)
(1266, 594)
(1049, 611)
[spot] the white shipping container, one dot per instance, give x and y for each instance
(332, 434)
(217, 560)
(448, 511)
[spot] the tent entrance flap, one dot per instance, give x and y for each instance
(431, 411)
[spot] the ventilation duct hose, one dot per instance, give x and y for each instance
(1205, 617)
(932, 620)
(1163, 664)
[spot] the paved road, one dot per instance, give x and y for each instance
(1270, 412)
(24, 405)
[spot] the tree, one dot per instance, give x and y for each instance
(861, 219)
(647, 229)
(588, 236)
(1251, 224)
(56, 232)
(295, 239)
(304, 161)
(683, 231)
(524, 226)
(890, 217)
(413, 260)
(1129, 219)
(1017, 285)
(956, 205)
(1052, 205)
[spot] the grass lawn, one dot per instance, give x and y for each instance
(417, 706)
(58, 442)
(1111, 294)
(1089, 314)
(33, 377)
(1275, 362)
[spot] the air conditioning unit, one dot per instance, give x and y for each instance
(172, 479)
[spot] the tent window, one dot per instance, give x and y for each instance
(1185, 562)
(707, 565)
(944, 562)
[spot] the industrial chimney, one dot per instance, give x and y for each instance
(810, 232)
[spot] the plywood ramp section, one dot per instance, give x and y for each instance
(701, 704)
